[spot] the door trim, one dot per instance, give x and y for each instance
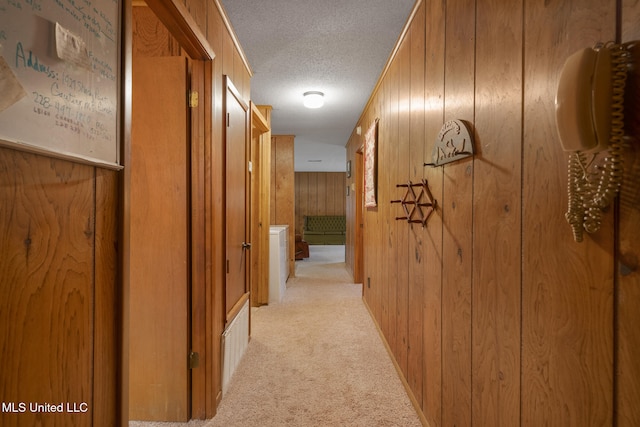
(176, 17)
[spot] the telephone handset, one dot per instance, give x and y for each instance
(589, 119)
(583, 101)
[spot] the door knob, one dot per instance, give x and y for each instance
(246, 245)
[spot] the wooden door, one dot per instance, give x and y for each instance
(159, 242)
(236, 197)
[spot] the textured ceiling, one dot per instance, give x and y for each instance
(338, 47)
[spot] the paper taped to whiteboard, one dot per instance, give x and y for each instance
(10, 88)
(71, 48)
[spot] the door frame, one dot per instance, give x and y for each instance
(175, 16)
(260, 196)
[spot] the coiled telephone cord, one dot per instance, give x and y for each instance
(587, 200)
(575, 215)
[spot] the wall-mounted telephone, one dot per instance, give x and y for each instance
(589, 120)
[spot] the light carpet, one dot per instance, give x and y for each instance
(315, 359)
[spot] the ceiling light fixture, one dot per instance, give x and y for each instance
(313, 99)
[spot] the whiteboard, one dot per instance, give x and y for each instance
(59, 77)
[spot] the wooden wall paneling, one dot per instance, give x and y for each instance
(47, 315)
(340, 181)
(415, 253)
(198, 10)
(318, 186)
(151, 37)
(387, 164)
(311, 188)
(350, 209)
(247, 74)
(108, 309)
(242, 71)
(228, 61)
(301, 184)
(243, 75)
(386, 190)
(337, 199)
(403, 174)
(353, 211)
(381, 232)
(369, 224)
(314, 202)
(567, 315)
(302, 199)
(374, 234)
(371, 257)
(323, 192)
(238, 73)
(505, 300)
(367, 245)
(372, 252)
(319, 193)
(457, 214)
(432, 242)
(356, 201)
(283, 189)
(275, 201)
(272, 195)
(627, 349)
(331, 199)
(350, 200)
(315, 188)
(288, 203)
(497, 215)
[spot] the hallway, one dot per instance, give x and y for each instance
(316, 359)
